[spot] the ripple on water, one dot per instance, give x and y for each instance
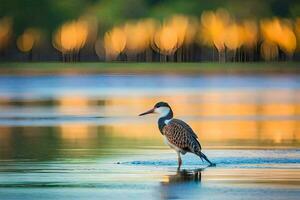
(233, 159)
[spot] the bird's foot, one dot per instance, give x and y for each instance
(212, 165)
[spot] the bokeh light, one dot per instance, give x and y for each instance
(166, 40)
(175, 32)
(71, 36)
(213, 28)
(139, 35)
(297, 31)
(234, 36)
(250, 33)
(279, 32)
(5, 31)
(28, 39)
(114, 42)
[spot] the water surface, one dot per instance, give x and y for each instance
(72, 136)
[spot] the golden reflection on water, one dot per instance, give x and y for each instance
(247, 176)
(221, 103)
(77, 131)
(220, 118)
(238, 133)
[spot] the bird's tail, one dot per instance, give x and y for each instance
(203, 156)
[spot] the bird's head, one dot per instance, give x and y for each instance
(162, 108)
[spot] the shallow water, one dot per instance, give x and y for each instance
(152, 174)
(79, 137)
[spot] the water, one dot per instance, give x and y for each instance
(80, 137)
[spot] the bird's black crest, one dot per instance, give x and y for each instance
(161, 104)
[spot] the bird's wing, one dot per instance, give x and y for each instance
(185, 126)
(182, 136)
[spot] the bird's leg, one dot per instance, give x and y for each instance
(202, 155)
(179, 160)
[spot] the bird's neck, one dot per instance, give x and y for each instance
(164, 120)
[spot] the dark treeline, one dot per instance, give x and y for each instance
(48, 15)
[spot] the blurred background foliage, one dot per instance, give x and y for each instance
(49, 14)
(44, 18)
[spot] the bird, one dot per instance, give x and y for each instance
(177, 134)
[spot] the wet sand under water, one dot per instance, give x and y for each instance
(153, 174)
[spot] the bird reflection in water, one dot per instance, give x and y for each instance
(173, 185)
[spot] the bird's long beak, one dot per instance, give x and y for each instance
(148, 112)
